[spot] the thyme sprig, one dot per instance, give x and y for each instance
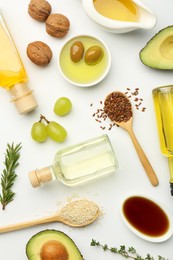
(9, 175)
(123, 251)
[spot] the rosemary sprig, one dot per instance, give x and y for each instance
(8, 176)
(127, 253)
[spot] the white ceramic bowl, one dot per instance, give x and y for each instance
(160, 238)
(81, 74)
(147, 18)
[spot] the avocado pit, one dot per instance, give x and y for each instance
(53, 250)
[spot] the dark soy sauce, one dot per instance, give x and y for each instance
(146, 216)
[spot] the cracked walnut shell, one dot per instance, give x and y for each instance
(39, 53)
(57, 25)
(39, 10)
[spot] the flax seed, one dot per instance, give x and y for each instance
(118, 107)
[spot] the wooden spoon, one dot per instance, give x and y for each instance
(127, 125)
(76, 214)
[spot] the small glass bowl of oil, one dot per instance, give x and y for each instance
(81, 74)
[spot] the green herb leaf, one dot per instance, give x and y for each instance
(9, 176)
(127, 253)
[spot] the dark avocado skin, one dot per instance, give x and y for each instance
(48, 232)
(154, 39)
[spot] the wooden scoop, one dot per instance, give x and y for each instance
(76, 214)
(127, 125)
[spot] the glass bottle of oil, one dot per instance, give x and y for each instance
(13, 76)
(163, 102)
(79, 163)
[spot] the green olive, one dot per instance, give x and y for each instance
(76, 51)
(93, 55)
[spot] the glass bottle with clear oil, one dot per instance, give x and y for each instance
(79, 163)
(163, 102)
(13, 76)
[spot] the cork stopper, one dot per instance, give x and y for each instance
(39, 177)
(23, 98)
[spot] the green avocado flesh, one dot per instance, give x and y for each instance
(158, 52)
(51, 244)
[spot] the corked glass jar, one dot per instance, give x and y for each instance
(79, 163)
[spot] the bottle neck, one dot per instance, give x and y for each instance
(23, 98)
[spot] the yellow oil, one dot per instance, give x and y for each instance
(163, 101)
(81, 72)
(11, 67)
(122, 10)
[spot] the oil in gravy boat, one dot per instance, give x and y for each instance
(146, 17)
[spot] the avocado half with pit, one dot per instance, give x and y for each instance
(158, 52)
(51, 244)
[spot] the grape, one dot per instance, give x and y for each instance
(39, 132)
(56, 131)
(62, 106)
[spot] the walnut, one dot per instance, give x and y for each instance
(57, 25)
(39, 53)
(39, 10)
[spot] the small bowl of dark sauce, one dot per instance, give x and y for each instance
(147, 218)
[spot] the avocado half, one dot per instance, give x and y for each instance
(51, 244)
(158, 52)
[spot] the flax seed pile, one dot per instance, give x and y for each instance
(118, 107)
(100, 115)
(80, 212)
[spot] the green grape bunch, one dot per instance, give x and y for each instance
(40, 131)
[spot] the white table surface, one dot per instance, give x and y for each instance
(126, 71)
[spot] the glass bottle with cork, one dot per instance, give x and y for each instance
(13, 76)
(78, 163)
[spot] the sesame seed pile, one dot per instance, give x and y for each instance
(80, 212)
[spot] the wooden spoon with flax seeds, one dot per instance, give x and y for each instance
(118, 108)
